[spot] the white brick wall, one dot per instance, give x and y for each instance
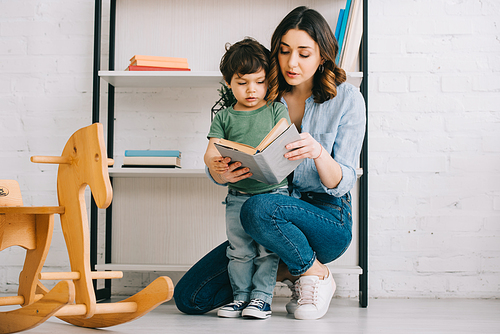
(45, 92)
(434, 134)
(434, 148)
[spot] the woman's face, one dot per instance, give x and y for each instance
(299, 57)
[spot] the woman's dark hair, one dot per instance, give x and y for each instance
(326, 81)
(244, 57)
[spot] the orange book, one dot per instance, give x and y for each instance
(157, 58)
(154, 68)
(159, 64)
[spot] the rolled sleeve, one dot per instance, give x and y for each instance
(212, 179)
(347, 147)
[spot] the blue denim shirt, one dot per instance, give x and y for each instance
(339, 125)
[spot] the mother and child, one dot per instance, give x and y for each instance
(284, 232)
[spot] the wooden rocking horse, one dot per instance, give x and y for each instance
(84, 162)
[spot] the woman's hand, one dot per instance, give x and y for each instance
(307, 147)
(328, 169)
(233, 174)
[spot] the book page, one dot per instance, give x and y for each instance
(277, 166)
(278, 129)
(237, 146)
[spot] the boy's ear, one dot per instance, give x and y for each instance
(227, 84)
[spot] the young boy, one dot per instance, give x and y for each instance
(252, 268)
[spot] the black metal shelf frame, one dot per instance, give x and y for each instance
(105, 293)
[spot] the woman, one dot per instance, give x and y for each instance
(313, 226)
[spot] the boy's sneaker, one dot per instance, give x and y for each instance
(232, 310)
(292, 305)
(257, 309)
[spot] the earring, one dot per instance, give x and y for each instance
(321, 68)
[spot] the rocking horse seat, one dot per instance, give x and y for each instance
(32, 210)
(18, 224)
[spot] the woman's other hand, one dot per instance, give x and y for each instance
(307, 147)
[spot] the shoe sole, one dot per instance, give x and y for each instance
(290, 309)
(228, 314)
(255, 314)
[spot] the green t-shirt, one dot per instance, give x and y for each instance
(248, 127)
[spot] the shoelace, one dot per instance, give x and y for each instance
(257, 303)
(295, 290)
(237, 303)
(308, 292)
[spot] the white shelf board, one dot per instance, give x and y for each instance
(148, 79)
(156, 172)
(185, 267)
(168, 172)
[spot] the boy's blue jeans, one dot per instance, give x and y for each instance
(325, 219)
(252, 268)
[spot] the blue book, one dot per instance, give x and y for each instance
(152, 153)
(339, 24)
(343, 28)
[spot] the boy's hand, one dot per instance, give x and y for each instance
(219, 165)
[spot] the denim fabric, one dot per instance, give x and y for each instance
(300, 230)
(252, 268)
(206, 285)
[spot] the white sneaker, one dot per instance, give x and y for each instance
(315, 296)
(291, 306)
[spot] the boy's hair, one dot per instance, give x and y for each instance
(244, 57)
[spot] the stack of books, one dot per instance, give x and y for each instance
(154, 63)
(152, 159)
(348, 33)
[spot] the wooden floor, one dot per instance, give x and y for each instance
(385, 316)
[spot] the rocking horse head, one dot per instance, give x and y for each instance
(83, 162)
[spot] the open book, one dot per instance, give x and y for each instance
(266, 161)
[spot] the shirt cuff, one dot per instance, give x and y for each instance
(212, 179)
(346, 183)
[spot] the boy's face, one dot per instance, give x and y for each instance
(250, 90)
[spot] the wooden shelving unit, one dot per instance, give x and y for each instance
(198, 79)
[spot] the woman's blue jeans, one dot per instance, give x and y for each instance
(298, 230)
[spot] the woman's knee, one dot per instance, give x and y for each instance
(182, 301)
(255, 210)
